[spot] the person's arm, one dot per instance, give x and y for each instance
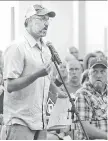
(22, 82)
(93, 132)
(58, 83)
(57, 90)
(14, 64)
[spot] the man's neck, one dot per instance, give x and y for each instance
(100, 90)
(75, 84)
(37, 39)
(64, 79)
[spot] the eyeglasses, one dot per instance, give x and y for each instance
(43, 18)
(72, 69)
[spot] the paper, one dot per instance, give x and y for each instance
(59, 116)
(67, 138)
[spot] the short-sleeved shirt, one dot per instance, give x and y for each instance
(91, 106)
(28, 105)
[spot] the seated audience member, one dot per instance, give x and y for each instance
(54, 74)
(91, 102)
(73, 84)
(87, 60)
(75, 72)
(84, 77)
(100, 54)
(74, 51)
(64, 74)
(69, 57)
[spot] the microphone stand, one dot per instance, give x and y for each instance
(73, 110)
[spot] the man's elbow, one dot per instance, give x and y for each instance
(9, 89)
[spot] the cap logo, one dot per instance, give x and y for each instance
(99, 59)
(38, 7)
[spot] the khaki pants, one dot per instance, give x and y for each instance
(20, 132)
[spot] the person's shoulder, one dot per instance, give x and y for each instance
(15, 45)
(83, 91)
(18, 42)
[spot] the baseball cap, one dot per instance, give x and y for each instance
(98, 61)
(38, 10)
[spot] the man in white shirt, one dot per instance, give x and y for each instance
(27, 72)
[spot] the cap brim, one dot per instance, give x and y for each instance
(51, 14)
(45, 12)
(98, 64)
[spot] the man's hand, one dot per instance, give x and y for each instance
(45, 69)
(62, 94)
(22, 82)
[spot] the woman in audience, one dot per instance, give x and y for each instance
(84, 77)
(87, 60)
(100, 54)
(64, 74)
(74, 51)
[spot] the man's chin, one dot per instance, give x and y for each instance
(98, 86)
(44, 33)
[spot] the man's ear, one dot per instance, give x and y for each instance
(89, 71)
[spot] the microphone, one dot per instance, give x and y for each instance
(54, 53)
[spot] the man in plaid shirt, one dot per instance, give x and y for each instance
(91, 102)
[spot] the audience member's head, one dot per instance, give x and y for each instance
(69, 57)
(63, 71)
(99, 54)
(98, 73)
(75, 71)
(54, 74)
(74, 51)
(84, 77)
(87, 59)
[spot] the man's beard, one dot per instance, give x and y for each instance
(98, 87)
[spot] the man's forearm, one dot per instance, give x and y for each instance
(93, 132)
(53, 88)
(21, 82)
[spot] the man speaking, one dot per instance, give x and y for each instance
(27, 72)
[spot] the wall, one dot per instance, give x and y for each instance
(60, 31)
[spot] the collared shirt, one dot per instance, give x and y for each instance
(91, 107)
(28, 105)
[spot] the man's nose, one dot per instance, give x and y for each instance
(74, 71)
(99, 74)
(47, 23)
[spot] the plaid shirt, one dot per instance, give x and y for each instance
(91, 107)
